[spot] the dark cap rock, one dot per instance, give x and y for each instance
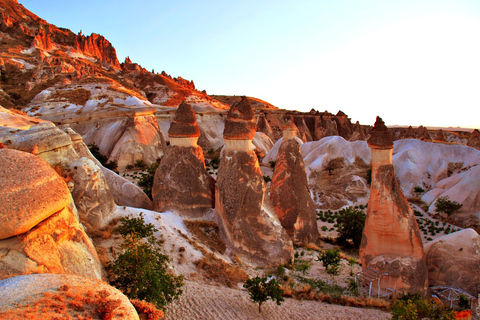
(380, 136)
(184, 123)
(240, 124)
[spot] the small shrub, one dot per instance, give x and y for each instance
(267, 179)
(412, 307)
(369, 175)
(263, 289)
(418, 189)
(330, 260)
(272, 164)
(324, 228)
(445, 205)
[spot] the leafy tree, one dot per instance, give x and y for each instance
(141, 270)
(351, 222)
(445, 205)
(330, 259)
(412, 306)
(263, 289)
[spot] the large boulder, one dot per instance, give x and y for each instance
(290, 195)
(51, 296)
(91, 193)
(454, 260)
(41, 233)
(31, 192)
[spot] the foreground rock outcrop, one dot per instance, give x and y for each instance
(50, 296)
(251, 230)
(391, 242)
(289, 192)
(454, 260)
(181, 181)
(40, 228)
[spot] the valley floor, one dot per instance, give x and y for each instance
(202, 301)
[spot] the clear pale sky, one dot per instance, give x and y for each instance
(411, 62)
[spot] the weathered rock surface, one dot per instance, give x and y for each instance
(251, 230)
(263, 126)
(391, 241)
(45, 140)
(91, 193)
(125, 193)
(474, 140)
(40, 230)
(290, 195)
(45, 296)
(31, 192)
(454, 260)
(182, 184)
(56, 245)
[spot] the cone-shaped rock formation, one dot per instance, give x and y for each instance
(251, 231)
(391, 242)
(181, 182)
(289, 191)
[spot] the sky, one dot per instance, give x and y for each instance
(412, 62)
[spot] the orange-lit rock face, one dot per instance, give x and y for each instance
(290, 195)
(184, 123)
(391, 241)
(182, 184)
(250, 232)
(31, 192)
(56, 245)
(239, 124)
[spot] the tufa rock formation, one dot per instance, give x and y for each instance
(251, 230)
(40, 229)
(391, 241)
(289, 191)
(181, 182)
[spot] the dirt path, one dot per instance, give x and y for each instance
(200, 301)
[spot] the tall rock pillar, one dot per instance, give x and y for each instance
(391, 241)
(181, 182)
(289, 191)
(251, 231)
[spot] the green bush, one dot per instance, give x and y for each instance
(263, 289)
(267, 179)
(351, 222)
(418, 189)
(331, 260)
(140, 271)
(412, 306)
(445, 205)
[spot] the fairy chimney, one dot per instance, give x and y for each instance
(391, 241)
(289, 191)
(181, 181)
(249, 230)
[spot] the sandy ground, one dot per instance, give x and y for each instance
(202, 301)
